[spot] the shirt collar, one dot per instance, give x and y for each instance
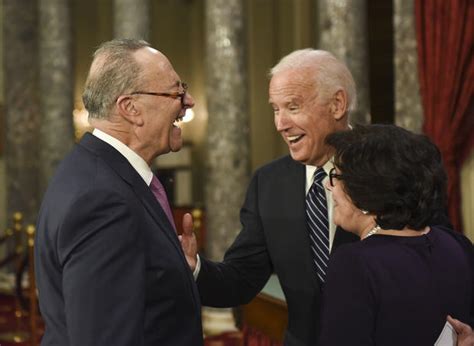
(132, 157)
(310, 170)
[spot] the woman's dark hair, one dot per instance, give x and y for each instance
(392, 173)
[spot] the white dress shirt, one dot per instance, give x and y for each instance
(132, 157)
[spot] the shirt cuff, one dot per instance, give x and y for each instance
(198, 268)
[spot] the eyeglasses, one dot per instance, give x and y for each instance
(332, 175)
(175, 95)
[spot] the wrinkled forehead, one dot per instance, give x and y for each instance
(292, 83)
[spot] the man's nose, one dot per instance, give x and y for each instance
(282, 122)
(188, 101)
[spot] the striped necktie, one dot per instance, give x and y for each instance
(317, 218)
(160, 194)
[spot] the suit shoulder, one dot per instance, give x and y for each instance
(279, 165)
(445, 231)
(358, 252)
(83, 173)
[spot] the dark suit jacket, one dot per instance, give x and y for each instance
(109, 266)
(274, 238)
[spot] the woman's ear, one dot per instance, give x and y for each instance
(338, 106)
(128, 109)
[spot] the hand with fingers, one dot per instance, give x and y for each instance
(188, 241)
(465, 332)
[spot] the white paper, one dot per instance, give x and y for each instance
(448, 336)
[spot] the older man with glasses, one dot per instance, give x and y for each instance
(109, 266)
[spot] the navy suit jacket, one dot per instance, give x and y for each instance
(109, 266)
(274, 238)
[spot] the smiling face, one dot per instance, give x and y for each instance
(159, 133)
(302, 117)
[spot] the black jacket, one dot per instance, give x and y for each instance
(109, 266)
(274, 238)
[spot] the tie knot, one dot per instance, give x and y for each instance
(319, 175)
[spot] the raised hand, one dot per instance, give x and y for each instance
(188, 241)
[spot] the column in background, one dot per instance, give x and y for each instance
(132, 19)
(56, 86)
(408, 109)
(22, 118)
(343, 32)
(228, 150)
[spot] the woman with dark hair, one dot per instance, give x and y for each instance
(404, 276)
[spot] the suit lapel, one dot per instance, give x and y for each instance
(160, 217)
(123, 168)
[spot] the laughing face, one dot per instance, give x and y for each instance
(160, 132)
(301, 116)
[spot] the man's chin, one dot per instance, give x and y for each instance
(175, 140)
(300, 158)
(174, 147)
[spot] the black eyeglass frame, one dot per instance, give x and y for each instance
(175, 95)
(333, 174)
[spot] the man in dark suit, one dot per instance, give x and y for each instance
(312, 94)
(109, 265)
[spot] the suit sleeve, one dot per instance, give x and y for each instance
(246, 266)
(347, 316)
(103, 272)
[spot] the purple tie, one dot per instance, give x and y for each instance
(160, 194)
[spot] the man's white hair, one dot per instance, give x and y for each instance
(330, 73)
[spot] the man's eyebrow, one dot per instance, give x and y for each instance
(293, 99)
(172, 85)
(285, 99)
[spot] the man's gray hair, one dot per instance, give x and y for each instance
(330, 73)
(114, 71)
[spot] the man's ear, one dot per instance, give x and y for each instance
(127, 108)
(338, 106)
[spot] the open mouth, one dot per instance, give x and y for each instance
(294, 139)
(178, 119)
